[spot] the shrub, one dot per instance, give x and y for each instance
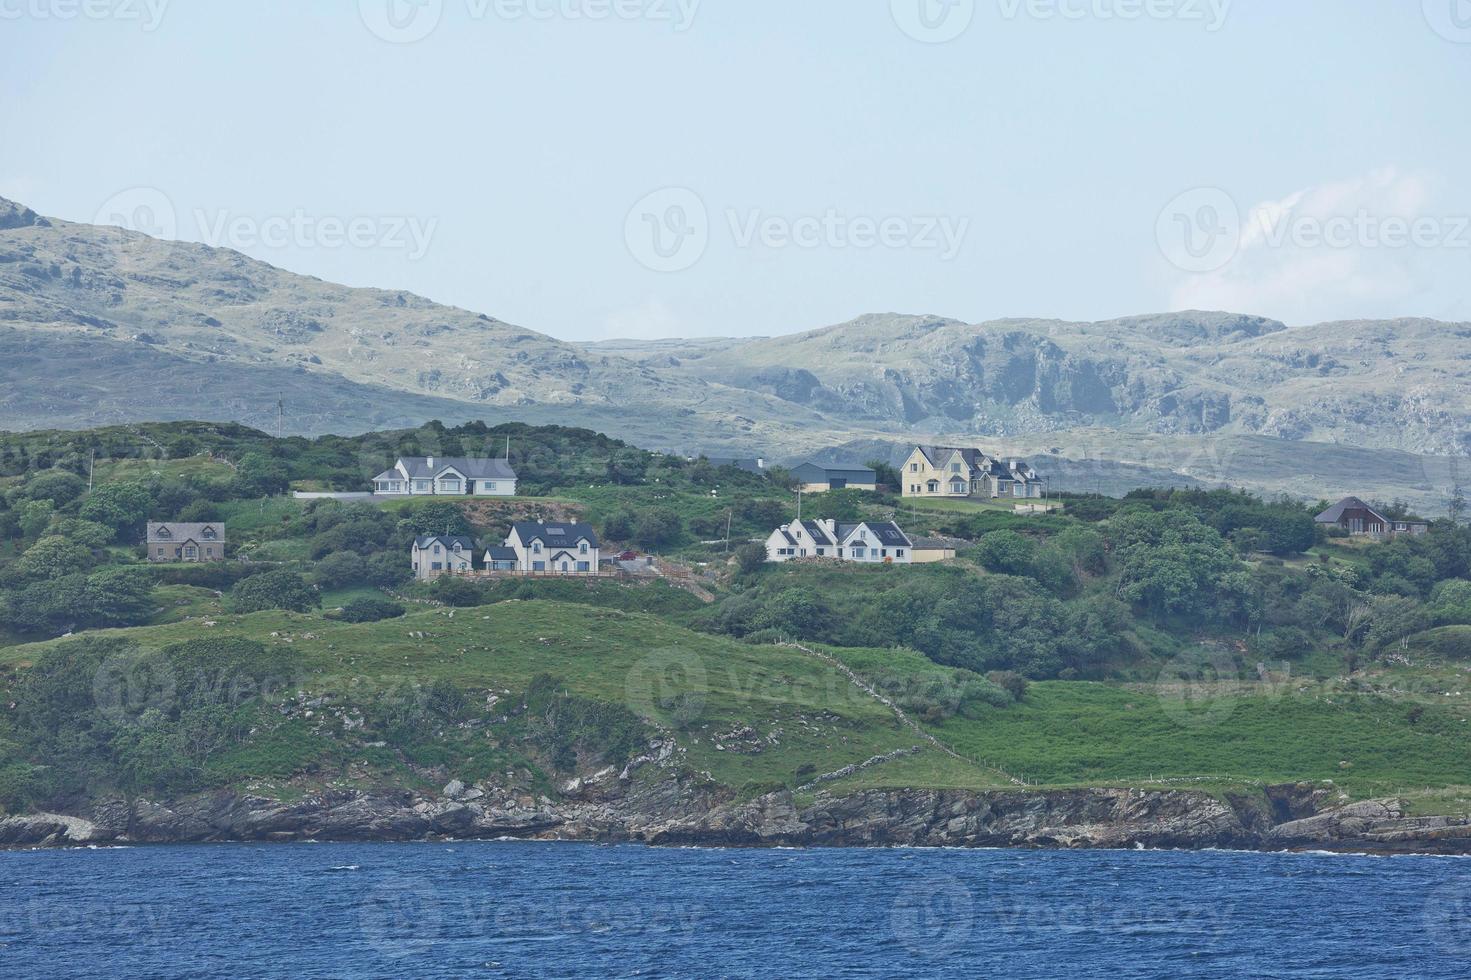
(458, 592)
(274, 590)
(370, 610)
(1012, 683)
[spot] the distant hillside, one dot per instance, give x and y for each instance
(1401, 384)
(101, 325)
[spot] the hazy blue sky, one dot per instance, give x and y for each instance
(597, 168)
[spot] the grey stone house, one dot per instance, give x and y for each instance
(186, 541)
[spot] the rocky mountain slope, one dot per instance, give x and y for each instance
(100, 325)
(1399, 384)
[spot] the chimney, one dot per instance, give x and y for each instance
(429, 462)
(760, 464)
(831, 525)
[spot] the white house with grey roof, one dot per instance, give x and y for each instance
(550, 548)
(442, 554)
(425, 476)
(178, 541)
(870, 542)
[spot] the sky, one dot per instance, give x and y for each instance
(654, 168)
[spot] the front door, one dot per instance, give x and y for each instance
(837, 484)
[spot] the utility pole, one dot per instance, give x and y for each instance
(280, 414)
(91, 469)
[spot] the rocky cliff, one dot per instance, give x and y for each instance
(683, 811)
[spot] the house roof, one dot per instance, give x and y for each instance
(815, 531)
(940, 455)
(448, 540)
(556, 534)
(843, 471)
(418, 467)
(1335, 513)
(887, 532)
(500, 554)
(981, 462)
(181, 531)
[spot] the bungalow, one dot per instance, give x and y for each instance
(866, 541)
(1360, 520)
(949, 471)
(186, 542)
(436, 555)
(550, 549)
(812, 478)
(928, 551)
(453, 476)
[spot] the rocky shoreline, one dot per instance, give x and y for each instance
(683, 812)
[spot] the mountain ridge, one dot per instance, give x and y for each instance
(77, 301)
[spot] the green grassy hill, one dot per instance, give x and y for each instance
(1170, 639)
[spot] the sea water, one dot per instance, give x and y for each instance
(563, 910)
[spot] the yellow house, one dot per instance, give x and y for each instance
(948, 471)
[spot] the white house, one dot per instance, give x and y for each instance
(872, 542)
(452, 476)
(948, 471)
(549, 549)
(436, 555)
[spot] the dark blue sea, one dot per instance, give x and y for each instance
(563, 910)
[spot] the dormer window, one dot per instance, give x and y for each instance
(164, 534)
(209, 533)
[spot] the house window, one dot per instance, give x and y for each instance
(160, 552)
(583, 566)
(583, 548)
(958, 486)
(954, 467)
(934, 486)
(437, 566)
(860, 552)
(914, 467)
(209, 552)
(536, 548)
(191, 552)
(821, 552)
(449, 486)
(898, 552)
(438, 549)
(538, 566)
(423, 486)
(488, 487)
(164, 534)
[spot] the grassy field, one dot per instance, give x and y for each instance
(759, 717)
(137, 470)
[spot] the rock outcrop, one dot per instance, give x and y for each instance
(684, 811)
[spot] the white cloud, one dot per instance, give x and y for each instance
(1378, 245)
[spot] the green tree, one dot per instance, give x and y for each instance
(280, 589)
(121, 506)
